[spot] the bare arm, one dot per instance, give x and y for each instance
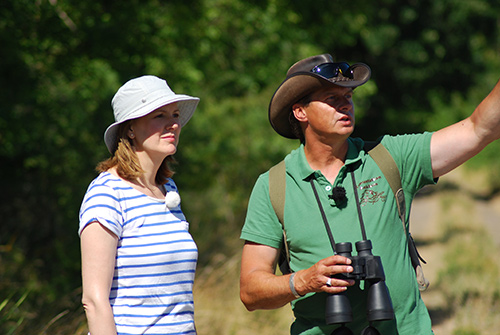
(98, 246)
(260, 288)
(453, 145)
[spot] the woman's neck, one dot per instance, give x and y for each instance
(146, 184)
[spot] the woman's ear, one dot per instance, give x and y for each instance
(130, 132)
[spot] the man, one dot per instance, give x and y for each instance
(314, 103)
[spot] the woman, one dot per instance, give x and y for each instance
(138, 257)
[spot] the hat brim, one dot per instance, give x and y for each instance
(299, 85)
(186, 104)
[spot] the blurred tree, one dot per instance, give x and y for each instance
(62, 61)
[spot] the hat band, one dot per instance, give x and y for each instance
(332, 70)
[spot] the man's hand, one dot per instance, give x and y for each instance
(261, 288)
(316, 278)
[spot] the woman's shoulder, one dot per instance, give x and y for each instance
(170, 185)
(107, 179)
(108, 183)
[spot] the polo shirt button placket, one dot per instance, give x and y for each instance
(328, 189)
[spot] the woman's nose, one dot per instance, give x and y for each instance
(174, 124)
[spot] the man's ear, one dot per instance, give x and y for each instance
(299, 112)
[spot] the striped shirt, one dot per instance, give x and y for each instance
(152, 290)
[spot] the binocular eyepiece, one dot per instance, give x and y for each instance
(366, 267)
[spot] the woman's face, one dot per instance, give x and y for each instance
(157, 134)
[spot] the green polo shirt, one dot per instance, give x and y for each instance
(308, 241)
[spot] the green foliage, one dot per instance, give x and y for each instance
(466, 332)
(12, 318)
(62, 61)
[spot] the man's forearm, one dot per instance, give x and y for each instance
(263, 290)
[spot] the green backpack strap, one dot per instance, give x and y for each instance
(388, 166)
(277, 192)
(277, 189)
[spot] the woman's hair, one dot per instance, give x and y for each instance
(127, 163)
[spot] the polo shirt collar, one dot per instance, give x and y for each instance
(354, 151)
(353, 156)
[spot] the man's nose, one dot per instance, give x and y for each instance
(345, 105)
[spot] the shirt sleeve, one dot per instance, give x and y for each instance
(261, 224)
(101, 203)
(412, 154)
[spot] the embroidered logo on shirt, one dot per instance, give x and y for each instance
(368, 193)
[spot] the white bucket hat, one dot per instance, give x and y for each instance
(141, 96)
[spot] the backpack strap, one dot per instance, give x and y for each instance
(388, 166)
(277, 192)
(277, 189)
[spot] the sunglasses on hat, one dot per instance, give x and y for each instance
(331, 70)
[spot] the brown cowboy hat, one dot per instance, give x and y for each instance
(307, 76)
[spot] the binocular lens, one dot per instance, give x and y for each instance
(379, 305)
(338, 309)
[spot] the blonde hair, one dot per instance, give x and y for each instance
(127, 163)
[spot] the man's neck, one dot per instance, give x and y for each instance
(327, 158)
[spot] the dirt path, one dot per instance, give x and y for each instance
(425, 230)
(426, 217)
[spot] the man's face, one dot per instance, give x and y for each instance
(330, 113)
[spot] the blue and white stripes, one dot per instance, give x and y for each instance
(156, 257)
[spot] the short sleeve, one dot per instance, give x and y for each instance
(101, 203)
(412, 155)
(261, 224)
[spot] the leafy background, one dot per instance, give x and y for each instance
(62, 60)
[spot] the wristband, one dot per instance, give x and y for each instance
(292, 287)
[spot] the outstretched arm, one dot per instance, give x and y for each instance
(260, 288)
(455, 144)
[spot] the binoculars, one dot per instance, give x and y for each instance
(369, 268)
